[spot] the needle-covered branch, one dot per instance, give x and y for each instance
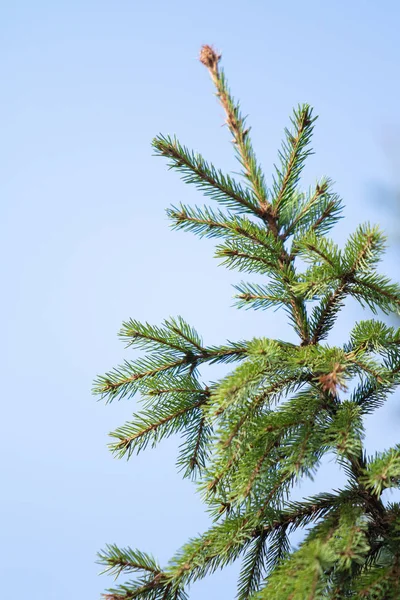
(236, 124)
(279, 407)
(175, 349)
(295, 150)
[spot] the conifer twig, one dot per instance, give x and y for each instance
(236, 124)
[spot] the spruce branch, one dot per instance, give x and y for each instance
(374, 336)
(292, 156)
(125, 380)
(274, 391)
(196, 458)
(381, 582)
(260, 296)
(324, 315)
(156, 589)
(151, 584)
(239, 255)
(195, 450)
(209, 223)
(376, 291)
(357, 263)
(226, 541)
(137, 434)
(241, 139)
(382, 472)
(320, 210)
(253, 568)
(175, 334)
(117, 559)
(128, 378)
(212, 182)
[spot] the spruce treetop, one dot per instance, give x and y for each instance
(250, 437)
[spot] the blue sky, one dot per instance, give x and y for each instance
(86, 243)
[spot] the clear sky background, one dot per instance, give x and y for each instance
(85, 242)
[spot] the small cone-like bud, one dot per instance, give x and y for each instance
(209, 57)
(333, 381)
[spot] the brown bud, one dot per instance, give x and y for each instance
(333, 381)
(209, 57)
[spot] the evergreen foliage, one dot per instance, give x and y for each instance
(250, 437)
